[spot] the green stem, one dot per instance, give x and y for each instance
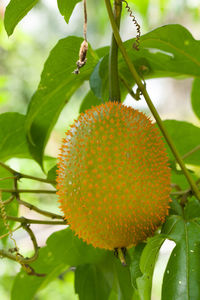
(114, 86)
(148, 100)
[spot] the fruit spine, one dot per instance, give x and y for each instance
(113, 177)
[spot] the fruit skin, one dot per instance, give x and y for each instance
(113, 177)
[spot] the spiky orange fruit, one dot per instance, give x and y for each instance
(113, 177)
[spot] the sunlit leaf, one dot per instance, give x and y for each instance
(15, 11)
(66, 8)
(57, 85)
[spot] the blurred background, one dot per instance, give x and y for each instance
(22, 57)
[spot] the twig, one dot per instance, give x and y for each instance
(33, 221)
(191, 152)
(40, 211)
(28, 191)
(13, 230)
(9, 200)
(21, 175)
(6, 178)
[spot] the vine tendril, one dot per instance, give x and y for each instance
(10, 233)
(137, 41)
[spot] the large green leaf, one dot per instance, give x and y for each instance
(66, 8)
(91, 283)
(186, 138)
(182, 275)
(13, 141)
(195, 97)
(168, 51)
(72, 250)
(57, 85)
(15, 11)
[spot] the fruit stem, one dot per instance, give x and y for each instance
(121, 256)
(152, 108)
(114, 86)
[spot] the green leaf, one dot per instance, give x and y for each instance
(123, 274)
(63, 250)
(99, 80)
(185, 137)
(195, 97)
(167, 51)
(12, 136)
(57, 85)
(192, 210)
(147, 264)
(66, 8)
(89, 101)
(52, 173)
(172, 49)
(96, 80)
(175, 207)
(72, 250)
(182, 275)
(47, 264)
(135, 264)
(15, 11)
(91, 283)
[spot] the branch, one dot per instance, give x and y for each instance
(34, 241)
(33, 221)
(28, 191)
(17, 257)
(148, 100)
(40, 211)
(21, 175)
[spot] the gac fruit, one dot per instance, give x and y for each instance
(113, 177)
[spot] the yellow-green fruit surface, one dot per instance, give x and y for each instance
(113, 177)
